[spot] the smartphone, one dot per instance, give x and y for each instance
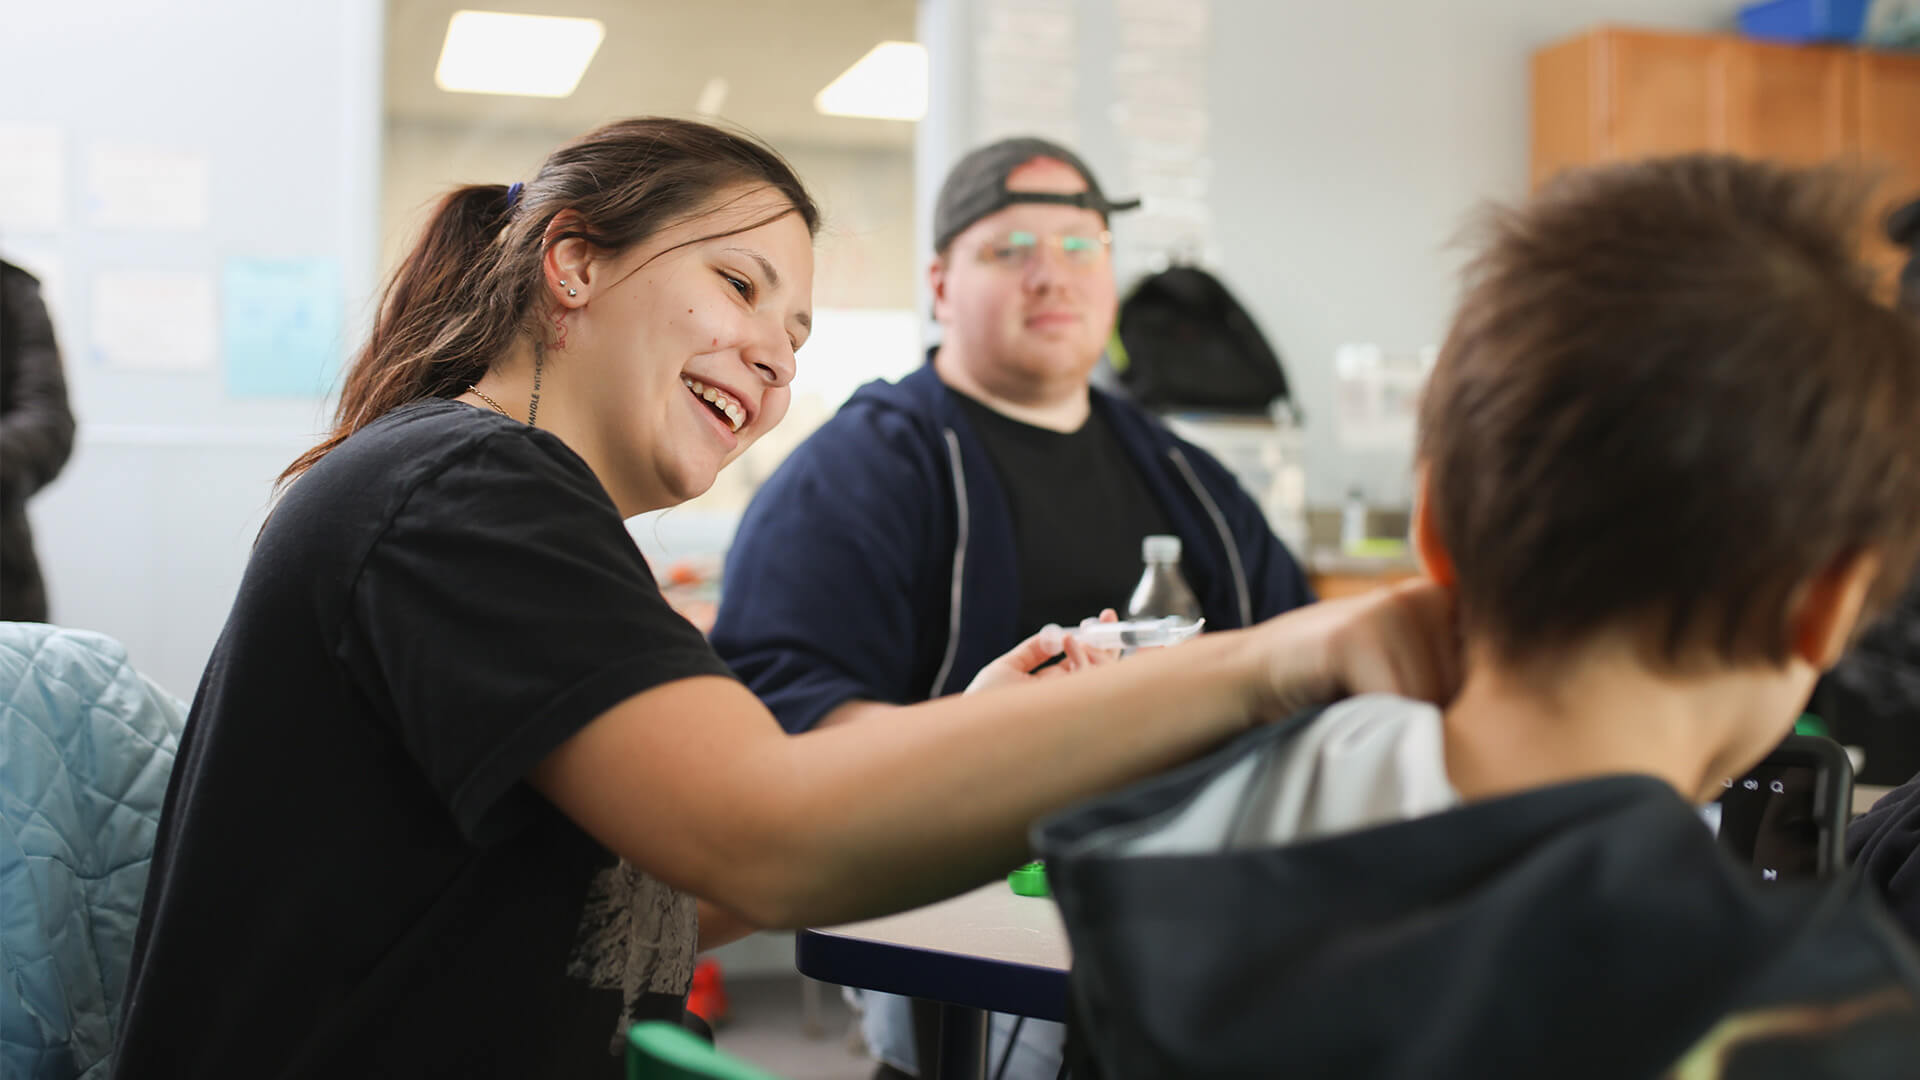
(1787, 817)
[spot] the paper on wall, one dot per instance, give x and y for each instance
(134, 187)
(281, 326)
(33, 179)
(153, 320)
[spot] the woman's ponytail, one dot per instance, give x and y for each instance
(437, 289)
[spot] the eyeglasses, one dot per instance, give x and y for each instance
(1018, 249)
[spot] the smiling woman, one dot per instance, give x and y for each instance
(526, 295)
(456, 766)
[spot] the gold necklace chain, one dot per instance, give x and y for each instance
(490, 401)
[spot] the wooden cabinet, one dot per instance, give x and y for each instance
(1610, 95)
(1666, 93)
(1614, 94)
(1789, 104)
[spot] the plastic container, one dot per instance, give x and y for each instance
(1137, 633)
(1162, 590)
(1353, 522)
(1802, 21)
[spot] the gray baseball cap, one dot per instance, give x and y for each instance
(977, 186)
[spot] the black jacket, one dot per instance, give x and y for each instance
(875, 562)
(36, 435)
(1591, 929)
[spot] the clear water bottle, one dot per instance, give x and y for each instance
(1162, 591)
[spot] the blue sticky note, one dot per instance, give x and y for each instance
(282, 332)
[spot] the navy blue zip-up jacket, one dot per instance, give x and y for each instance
(878, 563)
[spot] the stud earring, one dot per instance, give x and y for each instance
(570, 292)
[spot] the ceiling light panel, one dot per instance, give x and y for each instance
(494, 52)
(889, 83)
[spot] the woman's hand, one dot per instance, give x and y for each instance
(1019, 664)
(1402, 640)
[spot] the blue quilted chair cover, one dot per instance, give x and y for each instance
(85, 747)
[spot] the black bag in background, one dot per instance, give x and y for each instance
(1188, 344)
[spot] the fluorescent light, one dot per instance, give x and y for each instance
(889, 83)
(713, 97)
(492, 52)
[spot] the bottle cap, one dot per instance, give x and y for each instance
(1160, 549)
(1029, 880)
(1810, 724)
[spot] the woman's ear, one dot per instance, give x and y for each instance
(1434, 558)
(569, 263)
(1828, 608)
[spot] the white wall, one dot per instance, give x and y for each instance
(1349, 142)
(145, 534)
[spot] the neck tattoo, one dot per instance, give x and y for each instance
(533, 406)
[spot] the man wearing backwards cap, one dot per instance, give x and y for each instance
(936, 522)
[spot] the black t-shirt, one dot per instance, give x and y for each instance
(1080, 509)
(351, 877)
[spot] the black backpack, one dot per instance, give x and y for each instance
(1186, 343)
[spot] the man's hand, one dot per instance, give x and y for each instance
(1019, 664)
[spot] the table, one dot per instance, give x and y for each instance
(989, 950)
(1865, 795)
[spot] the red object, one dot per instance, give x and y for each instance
(707, 999)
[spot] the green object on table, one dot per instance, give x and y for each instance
(1377, 547)
(1810, 724)
(1030, 880)
(657, 1050)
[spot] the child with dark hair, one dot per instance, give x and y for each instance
(1668, 462)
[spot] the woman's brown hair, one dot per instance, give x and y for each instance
(468, 287)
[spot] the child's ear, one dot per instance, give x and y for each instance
(1827, 608)
(1434, 558)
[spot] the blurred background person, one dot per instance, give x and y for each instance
(36, 435)
(938, 520)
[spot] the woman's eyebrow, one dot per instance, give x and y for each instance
(773, 276)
